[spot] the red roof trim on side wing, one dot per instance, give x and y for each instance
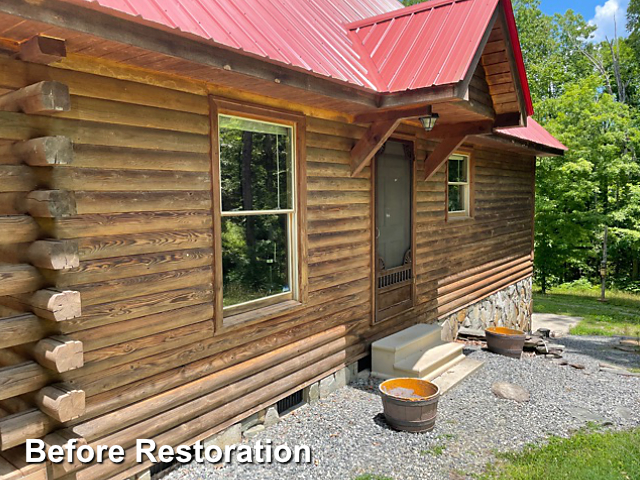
(517, 51)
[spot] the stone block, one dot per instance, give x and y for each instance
(271, 417)
(353, 372)
(253, 420)
(231, 436)
(341, 378)
(146, 475)
(254, 431)
(311, 394)
(364, 374)
(328, 385)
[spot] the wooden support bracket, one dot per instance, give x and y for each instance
(49, 304)
(43, 50)
(452, 135)
(370, 143)
(61, 402)
(51, 204)
(39, 152)
(59, 354)
(54, 254)
(441, 154)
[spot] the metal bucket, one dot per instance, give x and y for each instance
(505, 341)
(410, 404)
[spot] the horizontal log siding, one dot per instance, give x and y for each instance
(154, 367)
(460, 261)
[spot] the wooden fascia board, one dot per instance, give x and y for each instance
(514, 69)
(540, 150)
(395, 114)
(460, 129)
(463, 87)
(370, 143)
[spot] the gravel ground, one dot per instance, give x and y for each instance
(348, 435)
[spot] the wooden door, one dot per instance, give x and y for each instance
(393, 200)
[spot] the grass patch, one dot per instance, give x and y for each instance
(436, 450)
(620, 315)
(587, 455)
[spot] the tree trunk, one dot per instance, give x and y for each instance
(635, 269)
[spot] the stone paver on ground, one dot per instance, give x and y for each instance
(555, 323)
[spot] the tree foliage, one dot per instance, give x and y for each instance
(586, 94)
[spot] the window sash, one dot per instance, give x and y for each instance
(464, 186)
(292, 223)
(291, 130)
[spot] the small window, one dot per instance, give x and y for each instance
(258, 214)
(458, 190)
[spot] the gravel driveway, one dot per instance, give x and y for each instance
(348, 436)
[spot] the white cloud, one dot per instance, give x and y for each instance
(609, 16)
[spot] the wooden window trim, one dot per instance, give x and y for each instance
(469, 212)
(277, 305)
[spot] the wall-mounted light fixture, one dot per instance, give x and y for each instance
(429, 121)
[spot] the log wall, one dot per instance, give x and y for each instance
(141, 224)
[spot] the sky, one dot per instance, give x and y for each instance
(598, 12)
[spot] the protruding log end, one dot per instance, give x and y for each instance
(61, 402)
(43, 97)
(59, 354)
(43, 50)
(56, 305)
(54, 254)
(39, 152)
(51, 204)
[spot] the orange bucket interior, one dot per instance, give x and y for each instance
(504, 331)
(409, 388)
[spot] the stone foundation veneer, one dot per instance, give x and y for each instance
(511, 307)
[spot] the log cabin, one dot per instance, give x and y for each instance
(208, 207)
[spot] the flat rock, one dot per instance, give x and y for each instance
(254, 431)
(586, 415)
(470, 332)
(625, 413)
(577, 366)
(509, 391)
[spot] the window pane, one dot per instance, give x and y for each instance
(254, 257)
(458, 169)
(457, 198)
(255, 165)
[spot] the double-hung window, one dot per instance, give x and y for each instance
(458, 186)
(257, 213)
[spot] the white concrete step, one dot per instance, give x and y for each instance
(454, 375)
(432, 363)
(412, 341)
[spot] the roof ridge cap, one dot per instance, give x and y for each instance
(401, 12)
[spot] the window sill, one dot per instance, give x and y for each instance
(459, 217)
(260, 314)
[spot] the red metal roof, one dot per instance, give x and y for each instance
(425, 45)
(534, 133)
(307, 34)
(375, 44)
(432, 43)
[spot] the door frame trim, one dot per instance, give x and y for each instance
(412, 141)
